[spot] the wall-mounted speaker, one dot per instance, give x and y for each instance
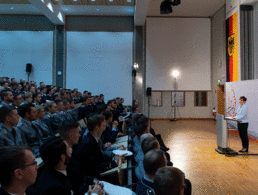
(149, 91)
(28, 68)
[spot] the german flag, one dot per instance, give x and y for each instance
(232, 48)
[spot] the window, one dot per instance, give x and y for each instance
(200, 98)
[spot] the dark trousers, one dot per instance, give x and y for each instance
(242, 129)
(188, 187)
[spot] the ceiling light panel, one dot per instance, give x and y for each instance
(14, 2)
(93, 2)
(72, 2)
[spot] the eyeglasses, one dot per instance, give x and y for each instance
(34, 163)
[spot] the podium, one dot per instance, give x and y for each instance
(222, 136)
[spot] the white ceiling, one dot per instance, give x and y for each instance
(188, 8)
(98, 10)
(19, 9)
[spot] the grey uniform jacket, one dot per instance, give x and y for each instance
(30, 132)
(8, 139)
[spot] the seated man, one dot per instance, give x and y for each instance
(6, 97)
(27, 128)
(169, 181)
(139, 130)
(39, 124)
(92, 159)
(18, 170)
(36, 99)
(153, 160)
(9, 135)
(27, 98)
(111, 133)
(51, 118)
(73, 111)
(147, 144)
(55, 177)
(84, 110)
(17, 100)
(70, 132)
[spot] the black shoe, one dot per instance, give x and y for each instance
(243, 150)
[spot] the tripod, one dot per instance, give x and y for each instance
(174, 119)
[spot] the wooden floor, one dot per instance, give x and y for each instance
(192, 146)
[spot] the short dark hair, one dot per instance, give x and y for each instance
(139, 130)
(168, 181)
(134, 108)
(143, 120)
(48, 105)
(243, 98)
(149, 144)
(25, 108)
(35, 95)
(95, 121)
(4, 112)
(51, 151)
(15, 95)
(57, 102)
(101, 108)
(84, 99)
(4, 93)
(107, 114)
(153, 160)
(65, 101)
(11, 158)
(66, 127)
(13, 83)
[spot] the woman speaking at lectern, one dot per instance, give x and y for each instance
(242, 123)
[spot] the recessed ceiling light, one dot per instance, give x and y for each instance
(111, 0)
(50, 7)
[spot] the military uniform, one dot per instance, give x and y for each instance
(52, 122)
(30, 132)
(10, 136)
(4, 104)
(39, 124)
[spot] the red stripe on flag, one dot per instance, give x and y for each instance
(231, 68)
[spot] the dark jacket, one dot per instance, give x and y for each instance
(52, 182)
(109, 135)
(30, 191)
(92, 160)
(144, 187)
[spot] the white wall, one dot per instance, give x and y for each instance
(101, 62)
(218, 52)
(255, 40)
(188, 111)
(17, 48)
(178, 43)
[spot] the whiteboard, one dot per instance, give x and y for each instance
(234, 90)
(178, 43)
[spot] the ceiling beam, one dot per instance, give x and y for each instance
(51, 11)
(141, 9)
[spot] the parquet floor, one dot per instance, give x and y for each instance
(192, 146)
